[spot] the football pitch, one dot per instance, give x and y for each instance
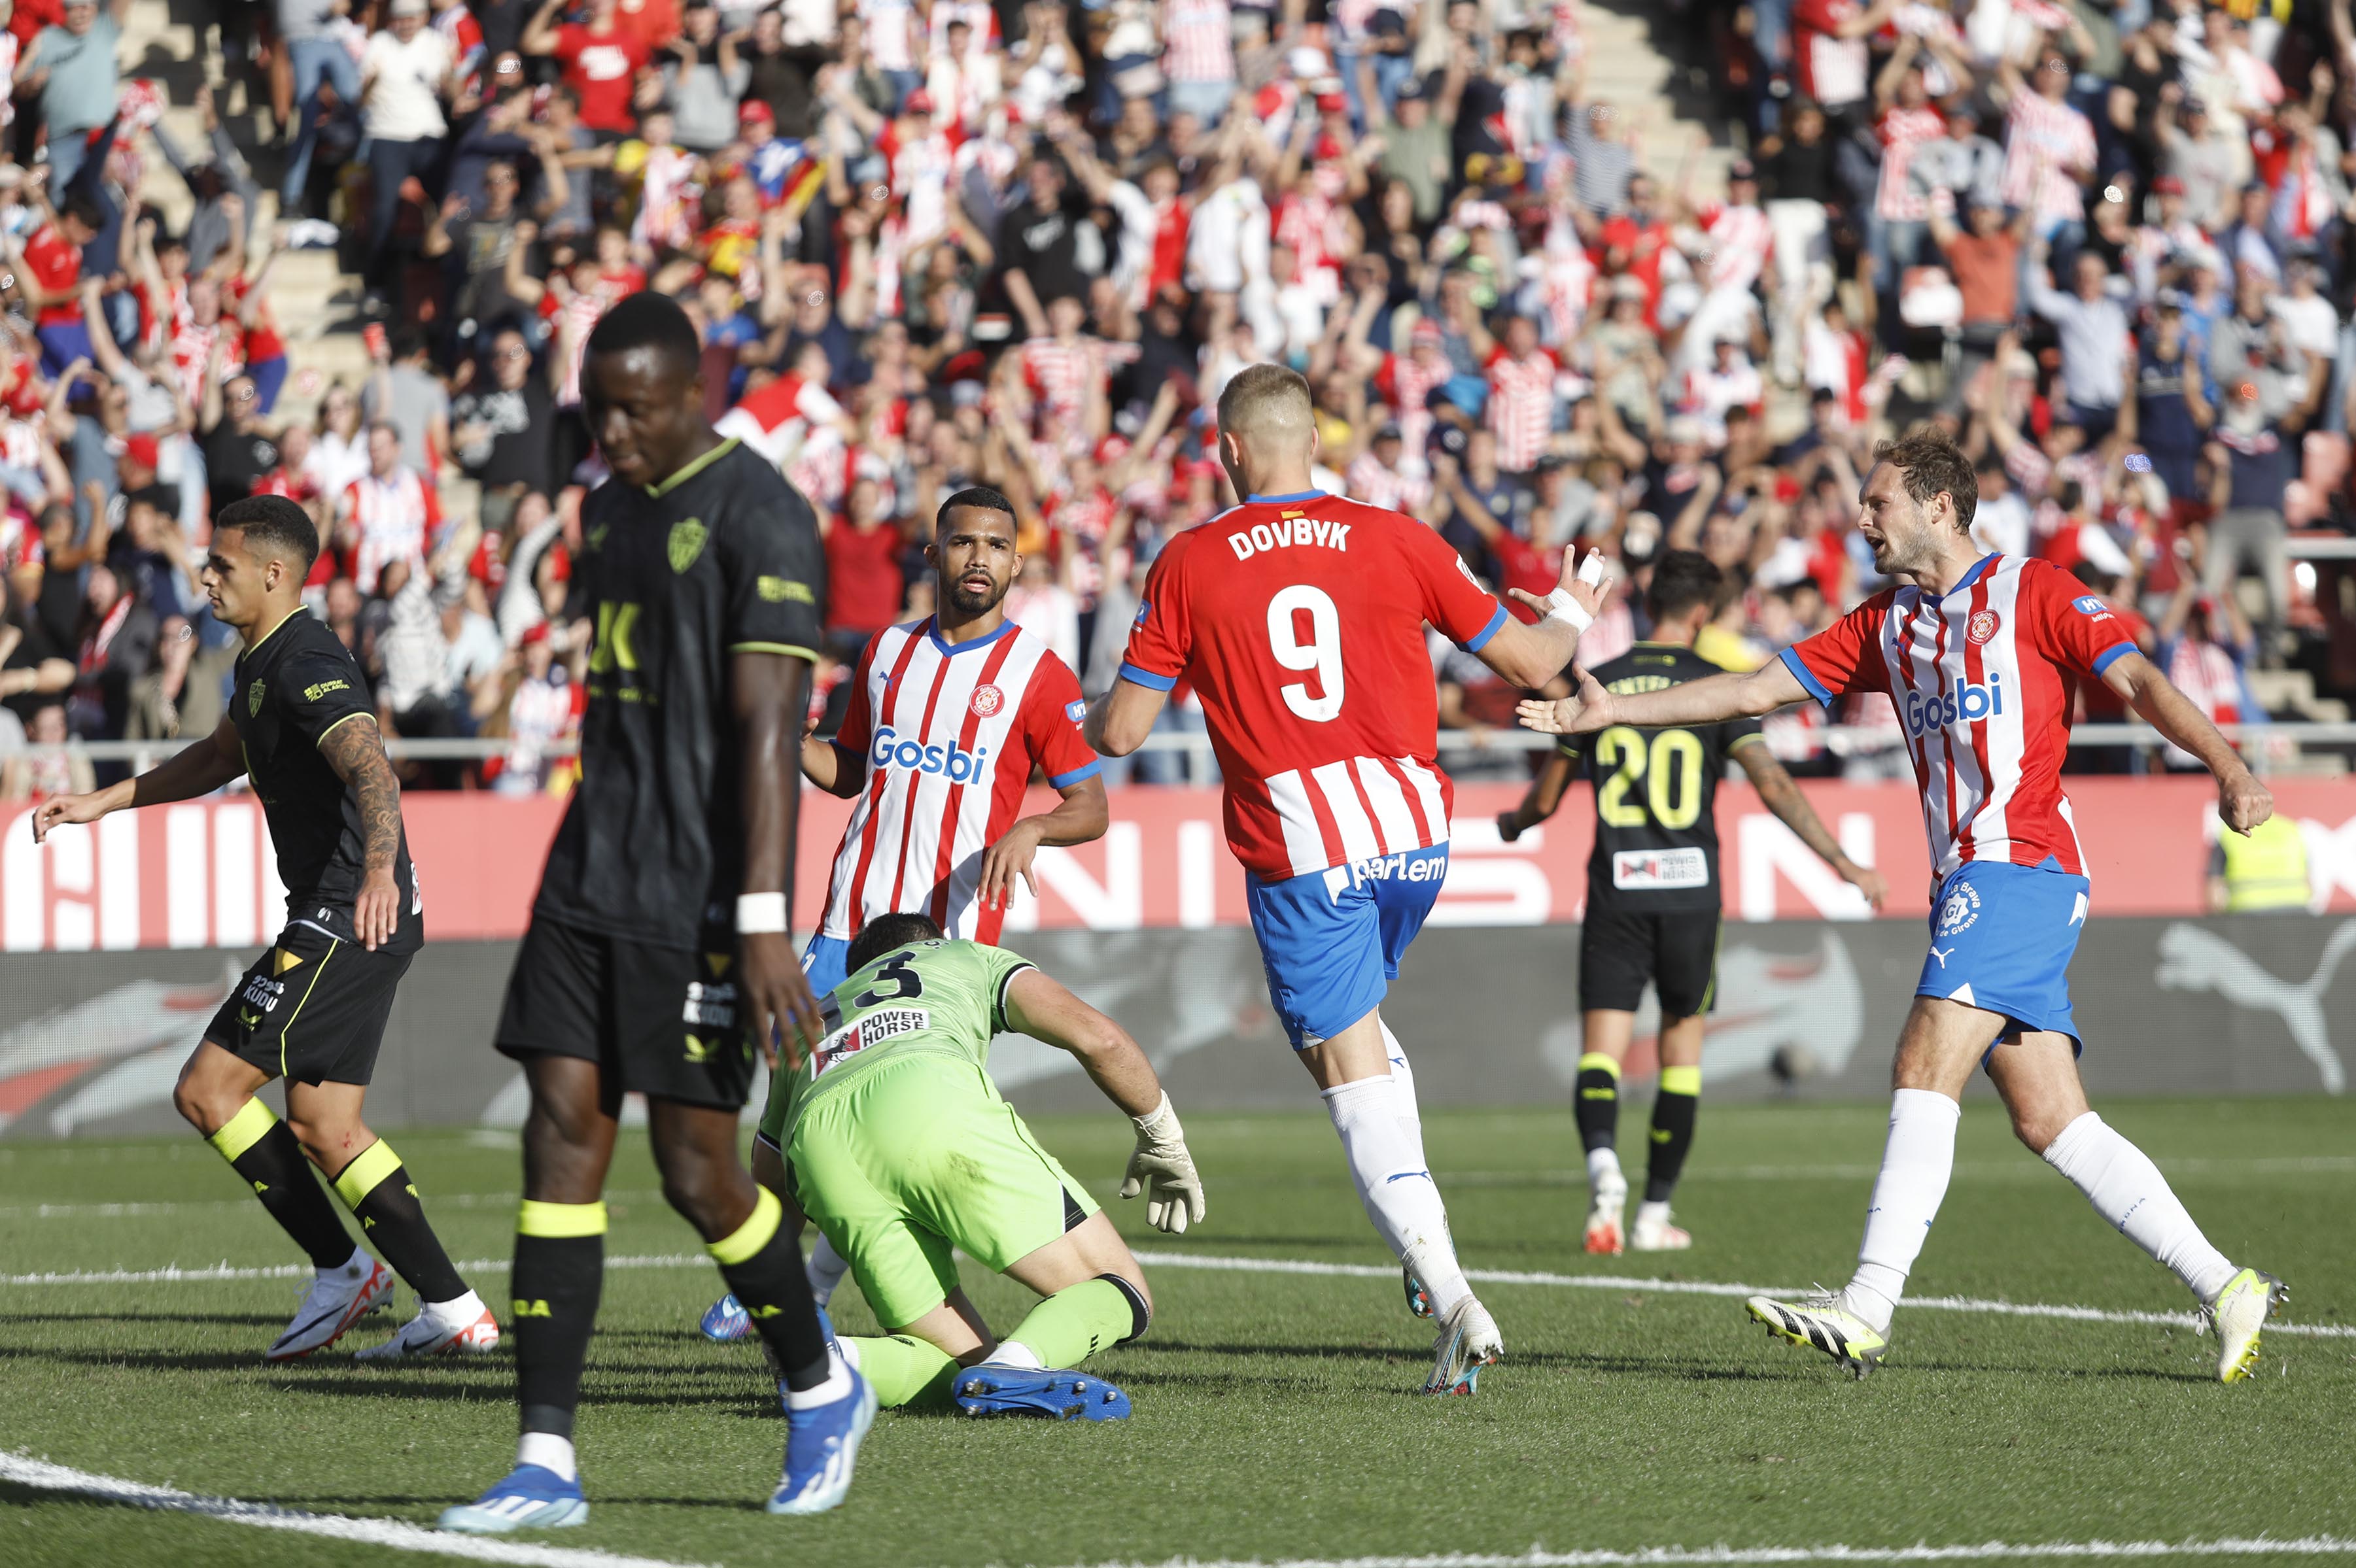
(1638, 1411)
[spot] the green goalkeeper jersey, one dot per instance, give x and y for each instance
(940, 999)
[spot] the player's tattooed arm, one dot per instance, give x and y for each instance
(1782, 796)
(355, 749)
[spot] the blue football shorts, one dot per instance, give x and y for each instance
(822, 963)
(1332, 941)
(2001, 940)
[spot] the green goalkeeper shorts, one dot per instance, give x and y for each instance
(919, 1158)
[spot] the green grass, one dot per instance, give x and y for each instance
(1275, 1414)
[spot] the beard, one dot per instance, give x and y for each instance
(966, 601)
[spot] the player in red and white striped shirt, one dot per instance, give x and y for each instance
(1983, 656)
(949, 717)
(1298, 619)
(1521, 396)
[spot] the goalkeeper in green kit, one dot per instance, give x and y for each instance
(892, 1137)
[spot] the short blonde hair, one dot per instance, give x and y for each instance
(1267, 402)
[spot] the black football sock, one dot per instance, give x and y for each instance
(1598, 1107)
(378, 1191)
(560, 1269)
(763, 1268)
(1674, 1109)
(261, 1148)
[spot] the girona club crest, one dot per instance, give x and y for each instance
(987, 700)
(1984, 628)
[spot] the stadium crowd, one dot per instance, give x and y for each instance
(1024, 245)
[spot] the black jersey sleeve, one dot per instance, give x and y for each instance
(1735, 732)
(775, 573)
(317, 690)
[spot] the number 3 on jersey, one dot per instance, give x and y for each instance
(1670, 768)
(1322, 653)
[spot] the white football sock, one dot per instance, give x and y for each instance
(1649, 1212)
(1395, 1185)
(1403, 1075)
(837, 1385)
(825, 1269)
(457, 1312)
(2125, 1189)
(1915, 1165)
(354, 1267)
(1603, 1170)
(548, 1451)
(1015, 1353)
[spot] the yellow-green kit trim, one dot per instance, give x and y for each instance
(559, 1220)
(370, 1168)
(1600, 1063)
(241, 1132)
(1681, 1079)
(742, 1245)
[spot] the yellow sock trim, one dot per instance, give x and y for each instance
(557, 1220)
(360, 1178)
(242, 1131)
(1680, 1080)
(749, 1238)
(1597, 1060)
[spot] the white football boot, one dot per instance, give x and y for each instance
(460, 1328)
(1652, 1233)
(1607, 1203)
(333, 1301)
(1468, 1341)
(2237, 1313)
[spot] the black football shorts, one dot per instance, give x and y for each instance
(311, 1009)
(658, 1021)
(1676, 950)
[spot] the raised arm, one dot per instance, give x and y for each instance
(2243, 802)
(1782, 796)
(1043, 1008)
(355, 749)
(771, 694)
(1530, 656)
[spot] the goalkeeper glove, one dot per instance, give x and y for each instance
(1164, 1172)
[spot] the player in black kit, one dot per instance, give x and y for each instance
(657, 958)
(1653, 894)
(311, 1009)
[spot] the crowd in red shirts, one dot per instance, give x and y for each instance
(1026, 244)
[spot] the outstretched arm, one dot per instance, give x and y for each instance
(1161, 1167)
(772, 695)
(1782, 796)
(2243, 802)
(192, 771)
(355, 749)
(1754, 696)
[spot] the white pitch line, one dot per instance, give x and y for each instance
(1708, 1556)
(225, 1272)
(391, 1534)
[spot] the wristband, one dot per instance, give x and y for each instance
(760, 913)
